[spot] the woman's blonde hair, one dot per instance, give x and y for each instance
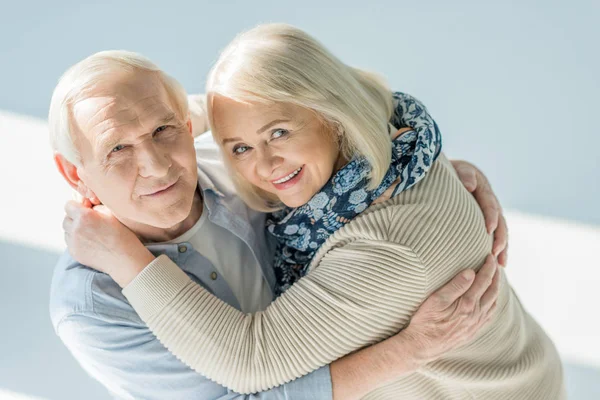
(278, 63)
(80, 79)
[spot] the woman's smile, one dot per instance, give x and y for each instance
(288, 180)
(282, 149)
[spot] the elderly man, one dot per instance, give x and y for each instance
(122, 134)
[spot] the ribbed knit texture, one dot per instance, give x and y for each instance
(363, 286)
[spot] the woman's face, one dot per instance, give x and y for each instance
(281, 148)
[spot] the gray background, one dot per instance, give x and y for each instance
(512, 84)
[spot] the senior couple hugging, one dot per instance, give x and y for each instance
(316, 244)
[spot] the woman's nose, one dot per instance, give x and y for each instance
(267, 164)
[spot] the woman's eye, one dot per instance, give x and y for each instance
(279, 133)
(118, 148)
(240, 149)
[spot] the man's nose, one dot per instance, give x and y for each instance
(153, 161)
(267, 163)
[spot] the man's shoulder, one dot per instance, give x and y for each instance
(79, 291)
(212, 171)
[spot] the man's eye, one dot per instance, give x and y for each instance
(160, 129)
(118, 148)
(279, 133)
(240, 149)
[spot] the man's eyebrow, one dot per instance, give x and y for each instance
(167, 118)
(233, 139)
(270, 124)
(106, 142)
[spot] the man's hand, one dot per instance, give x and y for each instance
(98, 240)
(476, 183)
(449, 318)
(453, 315)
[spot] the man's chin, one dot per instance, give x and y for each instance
(168, 219)
(151, 222)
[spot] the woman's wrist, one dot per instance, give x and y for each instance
(130, 265)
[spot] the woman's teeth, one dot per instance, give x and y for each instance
(287, 178)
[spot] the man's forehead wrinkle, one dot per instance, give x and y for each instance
(111, 128)
(156, 113)
(117, 112)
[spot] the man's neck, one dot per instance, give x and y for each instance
(156, 235)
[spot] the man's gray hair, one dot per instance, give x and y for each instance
(80, 79)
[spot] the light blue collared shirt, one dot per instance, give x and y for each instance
(110, 341)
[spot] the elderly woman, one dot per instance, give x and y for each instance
(369, 220)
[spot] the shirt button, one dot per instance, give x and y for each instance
(213, 276)
(182, 248)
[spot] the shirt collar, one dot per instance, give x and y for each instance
(207, 184)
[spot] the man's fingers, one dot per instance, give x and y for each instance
(482, 282)
(467, 174)
(452, 290)
(503, 256)
(488, 203)
(500, 237)
(491, 294)
(491, 311)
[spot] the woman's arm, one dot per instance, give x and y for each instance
(355, 297)
(97, 227)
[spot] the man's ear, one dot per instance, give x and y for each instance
(69, 171)
(189, 125)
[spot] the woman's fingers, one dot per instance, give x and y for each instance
(74, 208)
(482, 282)
(67, 224)
(451, 291)
(102, 209)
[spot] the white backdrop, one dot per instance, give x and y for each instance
(513, 86)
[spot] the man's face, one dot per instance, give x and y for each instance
(137, 154)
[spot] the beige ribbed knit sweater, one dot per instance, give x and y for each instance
(363, 286)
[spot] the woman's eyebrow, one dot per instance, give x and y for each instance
(270, 124)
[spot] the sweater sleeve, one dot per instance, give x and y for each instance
(357, 295)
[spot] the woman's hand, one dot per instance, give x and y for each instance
(454, 314)
(476, 183)
(98, 240)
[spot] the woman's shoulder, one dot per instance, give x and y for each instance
(439, 192)
(438, 205)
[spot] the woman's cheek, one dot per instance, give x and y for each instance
(250, 174)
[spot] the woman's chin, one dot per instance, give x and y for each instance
(295, 201)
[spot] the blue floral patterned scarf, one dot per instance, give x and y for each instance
(301, 231)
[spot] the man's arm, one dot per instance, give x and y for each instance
(359, 373)
(198, 114)
(132, 364)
